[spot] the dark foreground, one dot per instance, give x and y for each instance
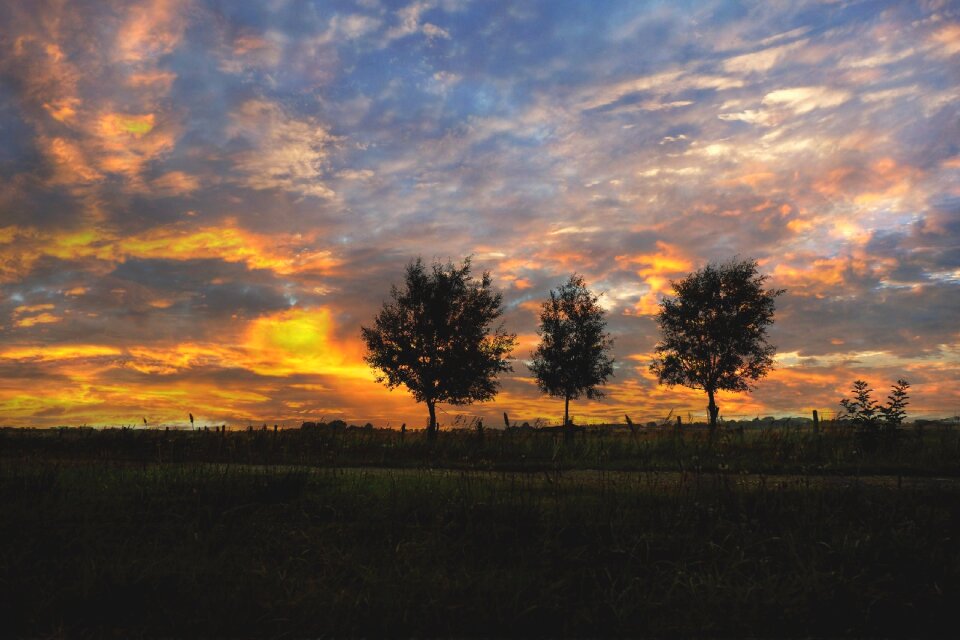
(128, 550)
(341, 532)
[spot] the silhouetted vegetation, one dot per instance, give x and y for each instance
(772, 447)
(715, 331)
(572, 358)
(871, 419)
(235, 551)
(895, 410)
(437, 337)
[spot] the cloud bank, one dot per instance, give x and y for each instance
(200, 203)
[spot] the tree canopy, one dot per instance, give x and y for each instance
(437, 337)
(714, 331)
(572, 358)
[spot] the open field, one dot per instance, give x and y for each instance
(358, 533)
(932, 449)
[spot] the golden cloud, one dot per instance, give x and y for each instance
(657, 269)
(151, 29)
(284, 254)
(302, 341)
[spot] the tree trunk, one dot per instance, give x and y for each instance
(567, 427)
(713, 409)
(432, 427)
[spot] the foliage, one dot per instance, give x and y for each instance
(715, 330)
(860, 409)
(438, 339)
(868, 415)
(895, 411)
(572, 358)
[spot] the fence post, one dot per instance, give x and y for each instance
(816, 422)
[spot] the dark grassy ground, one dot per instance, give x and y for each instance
(99, 545)
(834, 450)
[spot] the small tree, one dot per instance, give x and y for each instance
(860, 409)
(715, 331)
(437, 337)
(572, 357)
(896, 408)
(868, 414)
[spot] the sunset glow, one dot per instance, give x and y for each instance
(201, 202)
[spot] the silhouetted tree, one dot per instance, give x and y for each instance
(437, 337)
(572, 357)
(715, 331)
(860, 409)
(894, 411)
(868, 414)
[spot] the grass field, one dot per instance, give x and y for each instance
(135, 533)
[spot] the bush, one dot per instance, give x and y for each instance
(872, 419)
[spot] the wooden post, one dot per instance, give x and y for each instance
(816, 422)
(679, 422)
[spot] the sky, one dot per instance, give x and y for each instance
(201, 201)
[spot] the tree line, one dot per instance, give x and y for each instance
(441, 336)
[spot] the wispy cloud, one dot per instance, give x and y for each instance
(279, 151)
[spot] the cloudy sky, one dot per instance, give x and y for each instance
(202, 201)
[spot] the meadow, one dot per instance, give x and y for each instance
(334, 531)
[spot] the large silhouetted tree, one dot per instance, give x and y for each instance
(715, 331)
(572, 358)
(438, 337)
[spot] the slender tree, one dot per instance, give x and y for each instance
(868, 414)
(861, 409)
(572, 358)
(437, 337)
(715, 331)
(895, 410)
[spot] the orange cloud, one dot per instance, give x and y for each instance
(154, 79)
(175, 183)
(43, 318)
(29, 315)
(284, 254)
(813, 277)
(884, 179)
(279, 253)
(70, 162)
(50, 353)
(63, 109)
(947, 40)
(753, 180)
(808, 275)
(151, 29)
(125, 143)
(657, 269)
